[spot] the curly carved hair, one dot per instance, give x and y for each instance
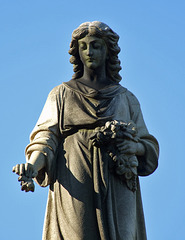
(104, 32)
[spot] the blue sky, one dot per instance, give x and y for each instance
(34, 43)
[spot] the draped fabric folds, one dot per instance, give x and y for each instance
(86, 200)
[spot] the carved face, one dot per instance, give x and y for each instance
(92, 51)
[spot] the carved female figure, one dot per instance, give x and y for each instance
(89, 145)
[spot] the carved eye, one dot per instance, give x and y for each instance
(97, 45)
(83, 46)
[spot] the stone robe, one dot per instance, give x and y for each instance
(87, 201)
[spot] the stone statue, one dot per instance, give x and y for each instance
(89, 145)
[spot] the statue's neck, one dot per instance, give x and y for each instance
(96, 79)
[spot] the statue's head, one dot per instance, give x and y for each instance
(103, 31)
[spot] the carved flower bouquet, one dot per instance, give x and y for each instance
(108, 136)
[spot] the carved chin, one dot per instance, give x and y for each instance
(91, 65)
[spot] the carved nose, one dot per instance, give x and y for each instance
(89, 51)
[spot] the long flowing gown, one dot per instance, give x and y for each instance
(86, 200)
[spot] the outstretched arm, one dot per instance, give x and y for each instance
(44, 141)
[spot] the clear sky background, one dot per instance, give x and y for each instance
(34, 43)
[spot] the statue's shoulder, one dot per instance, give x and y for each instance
(132, 99)
(57, 90)
(56, 93)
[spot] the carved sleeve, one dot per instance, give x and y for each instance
(149, 162)
(45, 136)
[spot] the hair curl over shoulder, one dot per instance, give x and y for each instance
(104, 32)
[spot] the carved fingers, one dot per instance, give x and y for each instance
(25, 169)
(131, 147)
(127, 147)
(26, 172)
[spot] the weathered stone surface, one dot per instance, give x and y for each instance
(90, 145)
